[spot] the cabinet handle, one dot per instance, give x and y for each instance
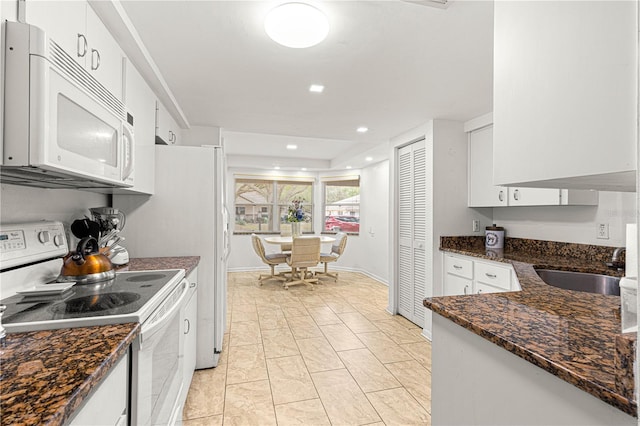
(465, 289)
(490, 275)
(457, 267)
(192, 285)
(479, 291)
(171, 135)
(501, 195)
(187, 326)
(82, 38)
(95, 54)
(516, 194)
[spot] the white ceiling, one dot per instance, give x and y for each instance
(387, 65)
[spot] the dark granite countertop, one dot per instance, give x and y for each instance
(573, 335)
(46, 375)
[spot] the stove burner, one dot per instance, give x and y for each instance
(95, 303)
(146, 277)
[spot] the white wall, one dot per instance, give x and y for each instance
(367, 252)
(575, 224)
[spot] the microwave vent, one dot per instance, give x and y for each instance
(84, 79)
(40, 178)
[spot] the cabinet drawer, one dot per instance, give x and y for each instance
(496, 276)
(458, 266)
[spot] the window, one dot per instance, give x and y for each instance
(262, 204)
(342, 205)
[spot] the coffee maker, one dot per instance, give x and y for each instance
(111, 221)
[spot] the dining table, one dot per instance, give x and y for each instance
(288, 239)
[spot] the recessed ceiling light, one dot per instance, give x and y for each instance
(368, 159)
(316, 88)
(304, 169)
(296, 25)
(277, 167)
(348, 167)
(292, 146)
(362, 129)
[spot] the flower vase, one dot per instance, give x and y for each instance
(295, 229)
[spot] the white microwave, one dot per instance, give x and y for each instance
(62, 128)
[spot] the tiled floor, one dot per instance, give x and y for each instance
(331, 356)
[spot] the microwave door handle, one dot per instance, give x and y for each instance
(127, 136)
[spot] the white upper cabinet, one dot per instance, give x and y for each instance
(77, 29)
(167, 130)
(565, 90)
(483, 193)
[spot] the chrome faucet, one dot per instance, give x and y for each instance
(616, 259)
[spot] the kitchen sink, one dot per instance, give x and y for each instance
(581, 281)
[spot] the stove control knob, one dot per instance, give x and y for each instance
(57, 240)
(44, 237)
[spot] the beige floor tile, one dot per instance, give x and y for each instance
(398, 407)
(311, 300)
(290, 380)
(372, 313)
(245, 333)
(357, 322)
(309, 412)
(319, 355)
(421, 352)
(385, 349)
(323, 315)
(204, 421)
(246, 364)
(304, 327)
(240, 316)
(415, 378)
(340, 337)
(339, 306)
(271, 320)
(243, 307)
(249, 404)
(206, 394)
(404, 322)
(279, 342)
(399, 333)
(343, 400)
(224, 355)
(370, 374)
(295, 311)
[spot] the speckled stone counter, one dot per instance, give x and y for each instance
(573, 335)
(188, 263)
(46, 375)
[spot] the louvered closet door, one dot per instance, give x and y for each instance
(412, 230)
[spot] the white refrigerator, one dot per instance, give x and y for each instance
(187, 216)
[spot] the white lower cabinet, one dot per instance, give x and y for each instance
(468, 275)
(189, 328)
(108, 404)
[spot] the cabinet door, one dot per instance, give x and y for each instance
(64, 22)
(482, 191)
(166, 127)
(534, 197)
(190, 330)
(104, 58)
(565, 77)
(455, 285)
(492, 274)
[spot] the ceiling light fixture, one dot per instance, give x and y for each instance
(362, 129)
(348, 167)
(277, 167)
(304, 169)
(292, 146)
(368, 159)
(296, 25)
(316, 88)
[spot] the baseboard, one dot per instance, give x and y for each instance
(426, 334)
(333, 268)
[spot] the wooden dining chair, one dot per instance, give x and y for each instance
(272, 260)
(336, 251)
(305, 254)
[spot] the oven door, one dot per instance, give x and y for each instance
(157, 363)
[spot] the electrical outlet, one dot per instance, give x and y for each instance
(476, 225)
(603, 231)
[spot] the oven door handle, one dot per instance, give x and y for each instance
(157, 323)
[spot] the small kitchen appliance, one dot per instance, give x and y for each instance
(31, 256)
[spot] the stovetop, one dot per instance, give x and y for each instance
(129, 297)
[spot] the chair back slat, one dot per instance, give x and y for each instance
(305, 252)
(339, 244)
